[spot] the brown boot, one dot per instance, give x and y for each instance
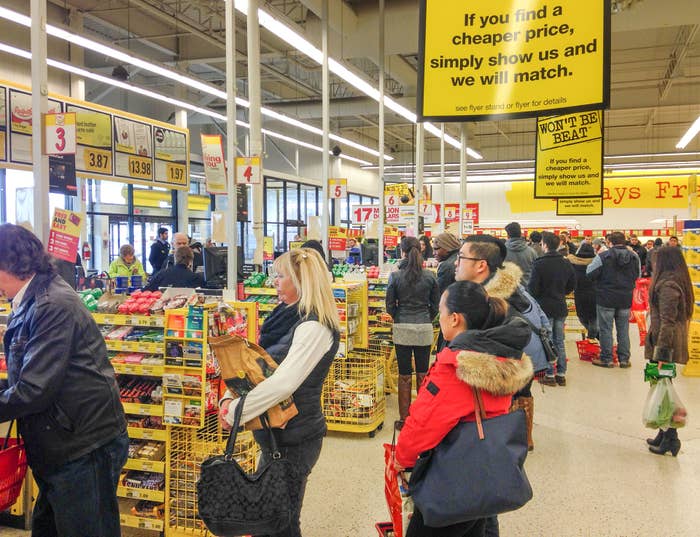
(528, 405)
(419, 380)
(404, 399)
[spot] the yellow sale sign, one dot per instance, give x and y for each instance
(579, 206)
(482, 60)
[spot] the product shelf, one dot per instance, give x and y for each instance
(141, 494)
(147, 347)
(142, 433)
(142, 523)
(143, 410)
(152, 321)
(269, 291)
(145, 465)
(139, 370)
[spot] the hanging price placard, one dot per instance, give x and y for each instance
(337, 188)
(364, 214)
(248, 171)
(59, 134)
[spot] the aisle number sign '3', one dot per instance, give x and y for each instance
(59, 134)
(248, 171)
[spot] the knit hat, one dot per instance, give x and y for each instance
(447, 241)
(585, 251)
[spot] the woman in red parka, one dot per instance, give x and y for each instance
(485, 352)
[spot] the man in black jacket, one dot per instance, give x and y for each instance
(615, 273)
(179, 275)
(62, 391)
(551, 280)
(159, 250)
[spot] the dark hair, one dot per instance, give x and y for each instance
(658, 241)
(315, 245)
(162, 230)
(414, 259)
(184, 255)
(669, 261)
(471, 301)
(551, 241)
(489, 248)
(428, 247)
(617, 238)
(535, 237)
(513, 230)
(21, 253)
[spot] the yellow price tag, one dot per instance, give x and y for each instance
(176, 173)
(98, 160)
(140, 167)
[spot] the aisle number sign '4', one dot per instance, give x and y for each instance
(248, 171)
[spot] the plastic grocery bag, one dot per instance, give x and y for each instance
(663, 407)
(398, 501)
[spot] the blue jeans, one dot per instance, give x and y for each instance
(622, 325)
(558, 339)
(80, 498)
(303, 458)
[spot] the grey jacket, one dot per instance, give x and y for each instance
(412, 302)
(60, 384)
(523, 255)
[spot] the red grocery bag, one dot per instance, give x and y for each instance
(640, 295)
(391, 489)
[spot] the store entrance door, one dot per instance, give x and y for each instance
(145, 232)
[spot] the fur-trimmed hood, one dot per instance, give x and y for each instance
(505, 281)
(497, 376)
(576, 260)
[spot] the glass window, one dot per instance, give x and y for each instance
(292, 196)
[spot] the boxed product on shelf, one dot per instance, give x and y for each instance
(144, 480)
(140, 390)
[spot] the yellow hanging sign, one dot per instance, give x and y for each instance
(481, 60)
(579, 206)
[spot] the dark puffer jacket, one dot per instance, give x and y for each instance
(412, 302)
(552, 279)
(667, 338)
(615, 274)
(584, 293)
(60, 384)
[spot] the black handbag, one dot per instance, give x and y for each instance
(232, 502)
(475, 472)
(550, 350)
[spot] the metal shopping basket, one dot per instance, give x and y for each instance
(13, 468)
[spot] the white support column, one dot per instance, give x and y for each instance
(462, 175)
(420, 159)
(77, 91)
(255, 117)
(325, 114)
(183, 196)
(382, 207)
(231, 143)
(442, 176)
(40, 105)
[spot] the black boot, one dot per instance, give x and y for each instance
(670, 442)
(656, 441)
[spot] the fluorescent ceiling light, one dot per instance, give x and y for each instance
(285, 33)
(163, 98)
(123, 57)
(688, 136)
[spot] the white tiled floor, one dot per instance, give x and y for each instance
(591, 472)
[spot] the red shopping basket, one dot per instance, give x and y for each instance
(13, 467)
(589, 350)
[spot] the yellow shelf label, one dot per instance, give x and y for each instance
(98, 160)
(176, 173)
(140, 167)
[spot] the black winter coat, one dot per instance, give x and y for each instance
(60, 384)
(615, 273)
(176, 276)
(412, 302)
(551, 280)
(446, 271)
(584, 292)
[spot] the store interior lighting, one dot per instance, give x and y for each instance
(123, 57)
(688, 136)
(163, 98)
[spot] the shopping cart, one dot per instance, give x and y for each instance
(13, 468)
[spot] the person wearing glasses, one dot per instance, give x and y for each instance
(445, 247)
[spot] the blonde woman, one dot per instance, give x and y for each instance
(301, 335)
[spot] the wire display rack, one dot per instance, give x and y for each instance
(188, 448)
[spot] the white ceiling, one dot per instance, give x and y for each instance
(655, 72)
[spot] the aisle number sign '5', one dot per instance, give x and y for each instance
(337, 188)
(248, 171)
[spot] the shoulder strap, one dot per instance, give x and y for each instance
(479, 412)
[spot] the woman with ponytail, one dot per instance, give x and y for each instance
(412, 298)
(484, 351)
